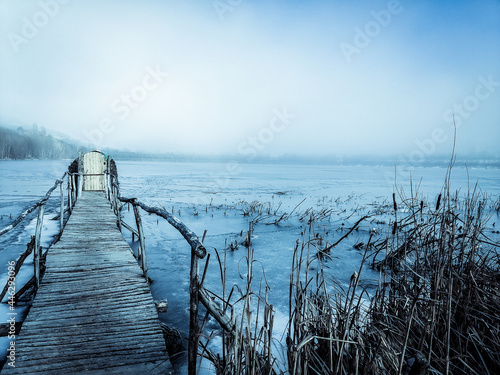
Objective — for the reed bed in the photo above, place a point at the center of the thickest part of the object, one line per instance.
(246, 349)
(324, 326)
(436, 309)
(441, 301)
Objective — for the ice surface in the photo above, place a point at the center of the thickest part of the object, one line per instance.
(205, 197)
(215, 196)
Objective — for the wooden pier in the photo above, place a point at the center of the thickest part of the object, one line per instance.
(93, 312)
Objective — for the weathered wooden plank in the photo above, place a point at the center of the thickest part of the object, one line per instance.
(89, 341)
(85, 330)
(84, 343)
(59, 278)
(81, 310)
(69, 281)
(78, 288)
(127, 366)
(40, 337)
(93, 312)
(82, 307)
(99, 297)
(126, 362)
(109, 349)
(75, 333)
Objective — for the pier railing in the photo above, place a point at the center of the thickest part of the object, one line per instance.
(74, 182)
(196, 290)
(34, 246)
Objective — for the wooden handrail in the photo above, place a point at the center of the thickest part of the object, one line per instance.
(191, 238)
(34, 245)
(42, 201)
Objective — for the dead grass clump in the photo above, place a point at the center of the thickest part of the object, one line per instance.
(442, 300)
(325, 334)
(246, 347)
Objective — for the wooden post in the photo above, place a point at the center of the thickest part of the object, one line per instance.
(111, 179)
(80, 175)
(193, 314)
(70, 193)
(115, 199)
(108, 178)
(116, 209)
(111, 193)
(142, 243)
(74, 189)
(80, 184)
(36, 250)
(108, 185)
(61, 217)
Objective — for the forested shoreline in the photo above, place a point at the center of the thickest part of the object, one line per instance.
(33, 144)
(37, 143)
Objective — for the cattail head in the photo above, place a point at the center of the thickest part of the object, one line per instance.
(438, 202)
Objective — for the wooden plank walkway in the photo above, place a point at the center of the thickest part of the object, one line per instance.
(93, 312)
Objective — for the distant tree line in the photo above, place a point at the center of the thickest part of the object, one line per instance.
(33, 144)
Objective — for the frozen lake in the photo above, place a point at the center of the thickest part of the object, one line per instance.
(216, 197)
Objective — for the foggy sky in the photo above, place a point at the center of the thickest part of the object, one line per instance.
(253, 78)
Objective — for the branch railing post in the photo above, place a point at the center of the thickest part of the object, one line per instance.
(70, 193)
(194, 329)
(61, 217)
(37, 248)
(71, 185)
(113, 195)
(142, 242)
(116, 191)
(110, 193)
(74, 188)
(80, 184)
(107, 178)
